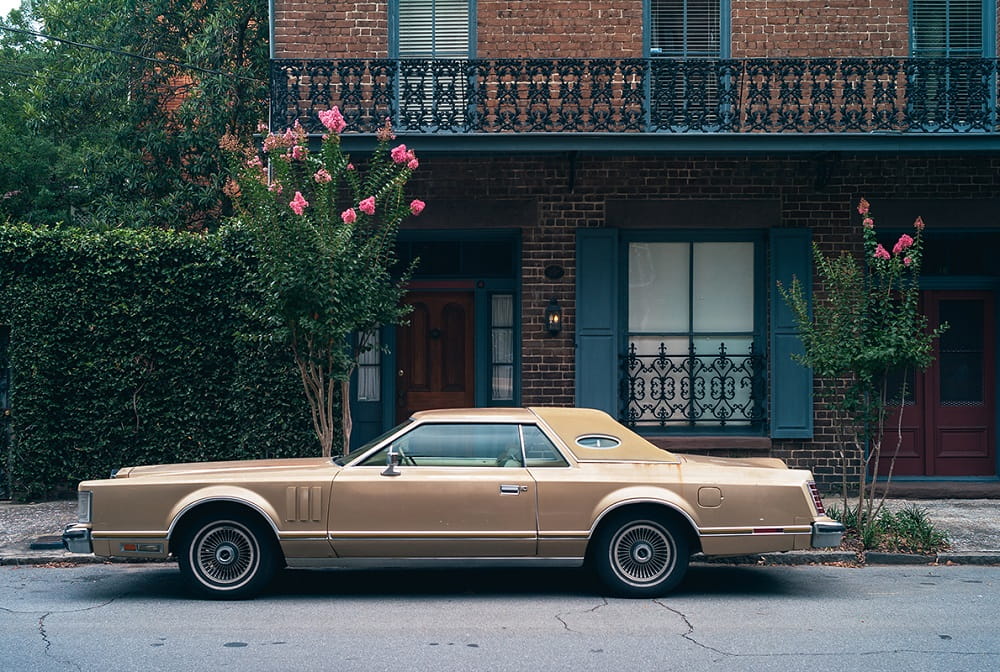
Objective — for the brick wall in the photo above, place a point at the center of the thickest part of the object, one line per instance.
(331, 29)
(821, 198)
(605, 29)
(801, 28)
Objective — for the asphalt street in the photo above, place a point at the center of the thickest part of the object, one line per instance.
(138, 617)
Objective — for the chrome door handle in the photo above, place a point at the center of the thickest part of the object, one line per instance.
(512, 489)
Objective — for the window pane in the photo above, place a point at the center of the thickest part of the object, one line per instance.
(433, 28)
(943, 28)
(539, 451)
(723, 287)
(658, 287)
(369, 368)
(685, 28)
(961, 353)
(460, 445)
(502, 350)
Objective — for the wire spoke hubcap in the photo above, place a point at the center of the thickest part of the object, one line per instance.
(642, 553)
(226, 554)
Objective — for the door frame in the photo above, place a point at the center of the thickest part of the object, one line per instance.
(971, 283)
(380, 416)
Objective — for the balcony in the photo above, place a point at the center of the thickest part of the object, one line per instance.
(651, 104)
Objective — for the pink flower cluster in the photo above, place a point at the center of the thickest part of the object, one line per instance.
(322, 176)
(333, 119)
(400, 154)
(417, 206)
(299, 203)
(367, 206)
(349, 216)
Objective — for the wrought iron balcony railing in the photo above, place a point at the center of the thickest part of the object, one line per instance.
(687, 389)
(644, 96)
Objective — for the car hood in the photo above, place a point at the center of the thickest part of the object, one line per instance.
(755, 462)
(233, 467)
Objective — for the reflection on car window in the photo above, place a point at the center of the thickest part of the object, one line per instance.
(539, 451)
(354, 454)
(456, 445)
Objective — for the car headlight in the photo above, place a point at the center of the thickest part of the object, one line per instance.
(84, 506)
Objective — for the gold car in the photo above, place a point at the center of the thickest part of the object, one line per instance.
(538, 486)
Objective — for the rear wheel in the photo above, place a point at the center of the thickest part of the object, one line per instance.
(228, 556)
(639, 555)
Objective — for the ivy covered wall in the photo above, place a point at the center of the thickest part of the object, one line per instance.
(130, 347)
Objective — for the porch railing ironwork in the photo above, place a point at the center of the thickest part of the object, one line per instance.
(652, 95)
(672, 389)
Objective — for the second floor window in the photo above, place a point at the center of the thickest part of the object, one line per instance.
(685, 28)
(433, 29)
(946, 28)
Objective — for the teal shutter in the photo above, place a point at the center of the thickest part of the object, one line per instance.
(791, 382)
(597, 319)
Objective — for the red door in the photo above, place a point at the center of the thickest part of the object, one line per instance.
(435, 353)
(948, 422)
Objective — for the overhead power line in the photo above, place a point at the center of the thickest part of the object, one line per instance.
(127, 54)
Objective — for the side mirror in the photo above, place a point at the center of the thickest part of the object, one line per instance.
(391, 462)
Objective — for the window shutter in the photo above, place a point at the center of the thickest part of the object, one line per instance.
(685, 28)
(597, 319)
(791, 382)
(433, 28)
(946, 28)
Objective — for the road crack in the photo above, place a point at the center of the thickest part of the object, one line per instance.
(559, 616)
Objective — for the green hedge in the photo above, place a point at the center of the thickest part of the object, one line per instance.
(126, 349)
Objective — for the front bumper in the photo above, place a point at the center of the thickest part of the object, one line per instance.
(76, 538)
(827, 534)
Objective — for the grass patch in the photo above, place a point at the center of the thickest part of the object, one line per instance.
(908, 530)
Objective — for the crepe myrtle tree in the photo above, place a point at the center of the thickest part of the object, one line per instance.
(325, 237)
(864, 334)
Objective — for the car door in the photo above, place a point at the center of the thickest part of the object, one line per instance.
(460, 490)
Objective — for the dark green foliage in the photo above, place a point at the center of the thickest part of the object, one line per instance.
(125, 350)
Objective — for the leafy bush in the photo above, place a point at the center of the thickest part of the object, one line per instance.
(125, 349)
(908, 530)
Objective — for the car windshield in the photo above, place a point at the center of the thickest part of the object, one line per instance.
(357, 452)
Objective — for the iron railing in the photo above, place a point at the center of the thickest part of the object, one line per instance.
(672, 389)
(654, 95)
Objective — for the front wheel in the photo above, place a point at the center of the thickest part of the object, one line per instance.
(640, 556)
(230, 556)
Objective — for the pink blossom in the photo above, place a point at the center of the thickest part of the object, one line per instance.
(412, 164)
(333, 119)
(289, 136)
(298, 204)
(298, 153)
(349, 216)
(255, 162)
(322, 176)
(399, 154)
(274, 188)
(367, 206)
(417, 206)
(863, 207)
(261, 127)
(350, 166)
(904, 243)
(919, 224)
(868, 223)
(881, 252)
(907, 261)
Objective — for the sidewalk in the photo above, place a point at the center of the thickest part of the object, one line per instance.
(973, 526)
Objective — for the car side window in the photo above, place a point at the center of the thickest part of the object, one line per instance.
(456, 445)
(539, 451)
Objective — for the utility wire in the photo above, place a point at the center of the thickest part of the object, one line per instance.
(127, 54)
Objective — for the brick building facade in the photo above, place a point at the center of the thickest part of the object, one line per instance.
(654, 167)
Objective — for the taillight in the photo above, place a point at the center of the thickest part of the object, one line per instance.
(817, 500)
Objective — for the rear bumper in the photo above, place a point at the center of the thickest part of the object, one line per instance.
(827, 534)
(76, 539)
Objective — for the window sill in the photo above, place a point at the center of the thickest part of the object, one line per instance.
(681, 444)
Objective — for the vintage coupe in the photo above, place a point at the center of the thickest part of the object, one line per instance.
(548, 486)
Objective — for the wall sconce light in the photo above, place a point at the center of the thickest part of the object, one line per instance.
(553, 317)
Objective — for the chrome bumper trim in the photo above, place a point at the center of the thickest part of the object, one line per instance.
(76, 539)
(827, 535)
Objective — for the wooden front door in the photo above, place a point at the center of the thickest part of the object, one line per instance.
(948, 422)
(436, 354)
